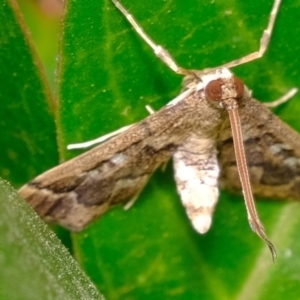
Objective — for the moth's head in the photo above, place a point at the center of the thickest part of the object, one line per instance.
(218, 85)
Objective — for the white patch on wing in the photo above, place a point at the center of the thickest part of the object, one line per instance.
(118, 158)
(277, 148)
(292, 162)
(93, 173)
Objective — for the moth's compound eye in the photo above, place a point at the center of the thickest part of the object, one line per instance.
(213, 90)
(239, 87)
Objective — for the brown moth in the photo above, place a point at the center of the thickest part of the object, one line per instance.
(209, 130)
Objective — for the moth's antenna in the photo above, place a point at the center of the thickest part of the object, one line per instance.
(241, 163)
(264, 41)
(159, 51)
(165, 56)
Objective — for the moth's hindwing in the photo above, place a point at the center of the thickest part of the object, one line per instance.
(272, 151)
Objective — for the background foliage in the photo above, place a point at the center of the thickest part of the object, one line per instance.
(104, 76)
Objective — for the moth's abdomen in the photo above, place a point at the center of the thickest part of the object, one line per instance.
(196, 173)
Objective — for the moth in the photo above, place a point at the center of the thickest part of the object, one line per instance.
(217, 135)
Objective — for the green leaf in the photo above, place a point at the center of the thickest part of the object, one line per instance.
(34, 264)
(27, 127)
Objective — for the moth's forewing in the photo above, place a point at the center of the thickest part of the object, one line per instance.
(78, 191)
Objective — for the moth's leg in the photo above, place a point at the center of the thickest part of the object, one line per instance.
(196, 174)
(131, 202)
(264, 41)
(117, 132)
(286, 97)
(99, 140)
(139, 183)
(105, 137)
(159, 51)
(150, 110)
